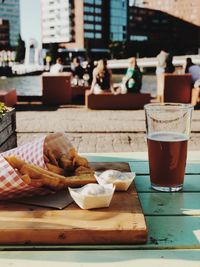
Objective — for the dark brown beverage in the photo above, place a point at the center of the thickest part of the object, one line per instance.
(167, 158)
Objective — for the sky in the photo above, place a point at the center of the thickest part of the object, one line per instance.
(30, 20)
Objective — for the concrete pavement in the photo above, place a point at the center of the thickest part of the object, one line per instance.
(94, 131)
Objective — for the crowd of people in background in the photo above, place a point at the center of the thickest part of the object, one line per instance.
(98, 77)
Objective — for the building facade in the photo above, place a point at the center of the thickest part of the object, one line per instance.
(188, 10)
(4, 34)
(10, 10)
(118, 20)
(76, 25)
(56, 21)
(143, 26)
(150, 30)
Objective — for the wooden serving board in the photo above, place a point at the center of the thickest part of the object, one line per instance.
(122, 223)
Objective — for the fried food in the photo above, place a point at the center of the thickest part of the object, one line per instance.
(55, 169)
(51, 156)
(80, 161)
(81, 169)
(15, 162)
(69, 164)
(72, 153)
(66, 163)
(26, 178)
(39, 177)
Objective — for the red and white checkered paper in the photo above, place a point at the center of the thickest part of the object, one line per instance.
(11, 185)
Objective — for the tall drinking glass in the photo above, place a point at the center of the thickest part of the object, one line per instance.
(168, 129)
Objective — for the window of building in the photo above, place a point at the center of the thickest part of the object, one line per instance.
(98, 27)
(98, 35)
(98, 10)
(88, 26)
(89, 35)
(88, 18)
(98, 2)
(139, 38)
(89, 9)
(98, 19)
(89, 1)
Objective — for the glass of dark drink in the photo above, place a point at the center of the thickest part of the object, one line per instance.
(168, 130)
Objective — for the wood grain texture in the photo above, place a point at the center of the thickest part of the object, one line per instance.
(122, 223)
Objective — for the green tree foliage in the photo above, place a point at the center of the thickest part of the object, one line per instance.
(20, 50)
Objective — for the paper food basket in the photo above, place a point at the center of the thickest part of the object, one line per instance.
(11, 185)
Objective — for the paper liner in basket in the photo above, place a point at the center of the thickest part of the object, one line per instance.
(11, 185)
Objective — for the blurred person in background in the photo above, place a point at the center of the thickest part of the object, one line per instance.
(194, 70)
(132, 81)
(77, 69)
(89, 71)
(58, 67)
(169, 64)
(160, 70)
(102, 79)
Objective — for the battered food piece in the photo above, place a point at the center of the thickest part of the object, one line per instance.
(39, 177)
(80, 161)
(55, 169)
(66, 163)
(81, 169)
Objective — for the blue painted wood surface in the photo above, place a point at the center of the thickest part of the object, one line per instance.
(173, 219)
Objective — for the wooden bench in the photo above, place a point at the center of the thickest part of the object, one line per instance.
(56, 88)
(121, 101)
(8, 97)
(177, 88)
(78, 90)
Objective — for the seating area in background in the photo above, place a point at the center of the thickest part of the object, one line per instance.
(56, 88)
(121, 101)
(177, 88)
(8, 97)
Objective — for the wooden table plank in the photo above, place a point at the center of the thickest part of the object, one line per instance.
(123, 222)
(117, 258)
(170, 203)
(173, 231)
(191, 183)
(165, 232)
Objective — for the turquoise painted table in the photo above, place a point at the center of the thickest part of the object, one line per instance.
(173, 221)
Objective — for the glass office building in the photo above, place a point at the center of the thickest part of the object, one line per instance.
(96, 24)
(10, 10)
(118, 20)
